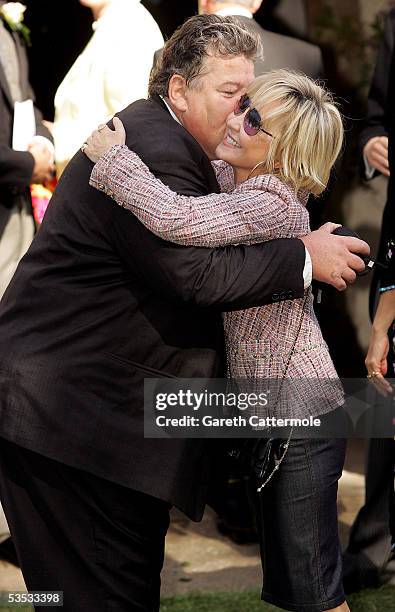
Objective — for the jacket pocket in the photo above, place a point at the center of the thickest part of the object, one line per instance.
(151, 372)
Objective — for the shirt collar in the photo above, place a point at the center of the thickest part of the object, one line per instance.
(172, 113)
(235, 10)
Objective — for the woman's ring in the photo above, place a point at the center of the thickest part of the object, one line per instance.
(373, 374)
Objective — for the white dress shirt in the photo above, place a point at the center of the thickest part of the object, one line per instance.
(111, 72)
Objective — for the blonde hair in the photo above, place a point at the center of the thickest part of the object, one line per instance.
(307, 124)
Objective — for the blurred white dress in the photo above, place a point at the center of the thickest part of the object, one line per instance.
(111, 72)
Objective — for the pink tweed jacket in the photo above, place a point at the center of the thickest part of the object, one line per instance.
(266, 342)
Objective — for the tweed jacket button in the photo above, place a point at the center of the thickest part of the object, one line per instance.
(275, 297)
(290, 295)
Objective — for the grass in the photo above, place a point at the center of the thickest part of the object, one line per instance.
(370, 600)
(19, 608)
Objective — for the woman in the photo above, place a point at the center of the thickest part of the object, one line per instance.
(379, 347)
(380, 361)
(270, 166)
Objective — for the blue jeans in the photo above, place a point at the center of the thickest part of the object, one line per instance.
(297, 524)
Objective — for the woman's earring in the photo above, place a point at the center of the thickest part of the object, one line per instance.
(255, 167)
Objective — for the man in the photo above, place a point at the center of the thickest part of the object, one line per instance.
(368, 559)
(17, 170)
(111, 72)
(97, 305)
(279, 51)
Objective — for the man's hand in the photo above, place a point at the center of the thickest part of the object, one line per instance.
(43, 162)
(376, 154)
(334, 258)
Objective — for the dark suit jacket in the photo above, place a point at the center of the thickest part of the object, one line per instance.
(380, 122)
(99, 303)
(376, 121)
(16, 167)
(281, 51)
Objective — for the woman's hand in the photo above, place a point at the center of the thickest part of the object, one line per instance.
(102, 139)
(376, 361)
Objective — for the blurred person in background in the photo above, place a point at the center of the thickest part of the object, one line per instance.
(279, 51)
(369, 559)
(18, 168)
(20, 128)
(111, 72)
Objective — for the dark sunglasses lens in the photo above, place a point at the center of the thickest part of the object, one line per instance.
(242, 105)
(252, 122)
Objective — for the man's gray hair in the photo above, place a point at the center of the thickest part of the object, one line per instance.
(199, 37)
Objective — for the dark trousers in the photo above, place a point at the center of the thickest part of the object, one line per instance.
(367, 558)
(100, 543)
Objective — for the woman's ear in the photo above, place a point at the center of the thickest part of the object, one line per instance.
(176, 93)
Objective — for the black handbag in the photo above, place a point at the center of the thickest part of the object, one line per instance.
(263, 456)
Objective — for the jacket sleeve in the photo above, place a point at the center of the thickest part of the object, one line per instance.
(376, 123)
(228, 278)
(16, 168)
(260, 209)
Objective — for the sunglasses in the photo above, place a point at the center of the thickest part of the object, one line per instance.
(252, 123)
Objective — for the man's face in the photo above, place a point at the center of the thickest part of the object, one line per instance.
(209, 104)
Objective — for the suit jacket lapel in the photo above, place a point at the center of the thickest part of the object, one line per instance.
(23, 65)
(212, 183)
(23, 71)
(5, 87)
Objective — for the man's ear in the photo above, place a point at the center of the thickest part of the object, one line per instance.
(176, 93)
